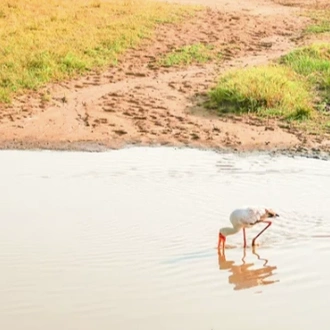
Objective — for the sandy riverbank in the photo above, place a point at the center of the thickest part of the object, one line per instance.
(141, 103)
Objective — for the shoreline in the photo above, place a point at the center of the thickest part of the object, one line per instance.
(98, 147)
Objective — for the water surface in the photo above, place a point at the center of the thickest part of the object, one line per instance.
(127, 240)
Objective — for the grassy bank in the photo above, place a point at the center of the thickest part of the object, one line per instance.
(189, 54)
(312, 62)
(320, 20)
(296, 88)
(266, 91)
(42, 41)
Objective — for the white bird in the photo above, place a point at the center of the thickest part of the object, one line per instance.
(246, 218)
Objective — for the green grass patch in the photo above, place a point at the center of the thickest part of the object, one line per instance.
(321, 21)
(312, 62)
(273, 90)
(296, 89)
(43, 41)
(321, 27)
(195, 53)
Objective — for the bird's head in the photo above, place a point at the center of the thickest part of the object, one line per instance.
(271, 214)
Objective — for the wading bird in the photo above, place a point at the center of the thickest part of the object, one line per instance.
(246, 218)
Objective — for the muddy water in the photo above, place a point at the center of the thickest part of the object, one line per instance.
(127, 240)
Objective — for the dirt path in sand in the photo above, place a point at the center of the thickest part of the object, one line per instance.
(140, 103)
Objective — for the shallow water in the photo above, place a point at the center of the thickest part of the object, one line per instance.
(127, 240)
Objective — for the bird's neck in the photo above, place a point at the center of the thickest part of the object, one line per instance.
(229, 230)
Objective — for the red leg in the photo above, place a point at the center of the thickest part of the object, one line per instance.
(244, 237)
(254, 240)
(221, 243)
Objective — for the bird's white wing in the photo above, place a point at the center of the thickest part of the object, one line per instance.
(249, 215)
(255, 214)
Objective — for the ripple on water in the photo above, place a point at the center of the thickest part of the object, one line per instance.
(127, 239)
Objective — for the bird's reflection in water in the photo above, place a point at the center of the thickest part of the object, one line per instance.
(242, 276)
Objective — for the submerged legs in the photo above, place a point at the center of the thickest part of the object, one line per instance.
(254, 240)
(221, 242)
(244, 237)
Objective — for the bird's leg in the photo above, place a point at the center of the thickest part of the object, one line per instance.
(221, 243)
(254, 240)
(244, 256)
(244, 238)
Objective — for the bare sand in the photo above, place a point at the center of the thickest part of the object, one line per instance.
(140, 103)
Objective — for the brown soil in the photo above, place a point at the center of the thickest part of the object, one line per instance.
(141, 103)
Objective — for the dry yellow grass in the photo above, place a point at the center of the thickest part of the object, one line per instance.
(42, 41)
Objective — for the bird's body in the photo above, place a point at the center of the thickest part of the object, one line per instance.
(246, 217)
